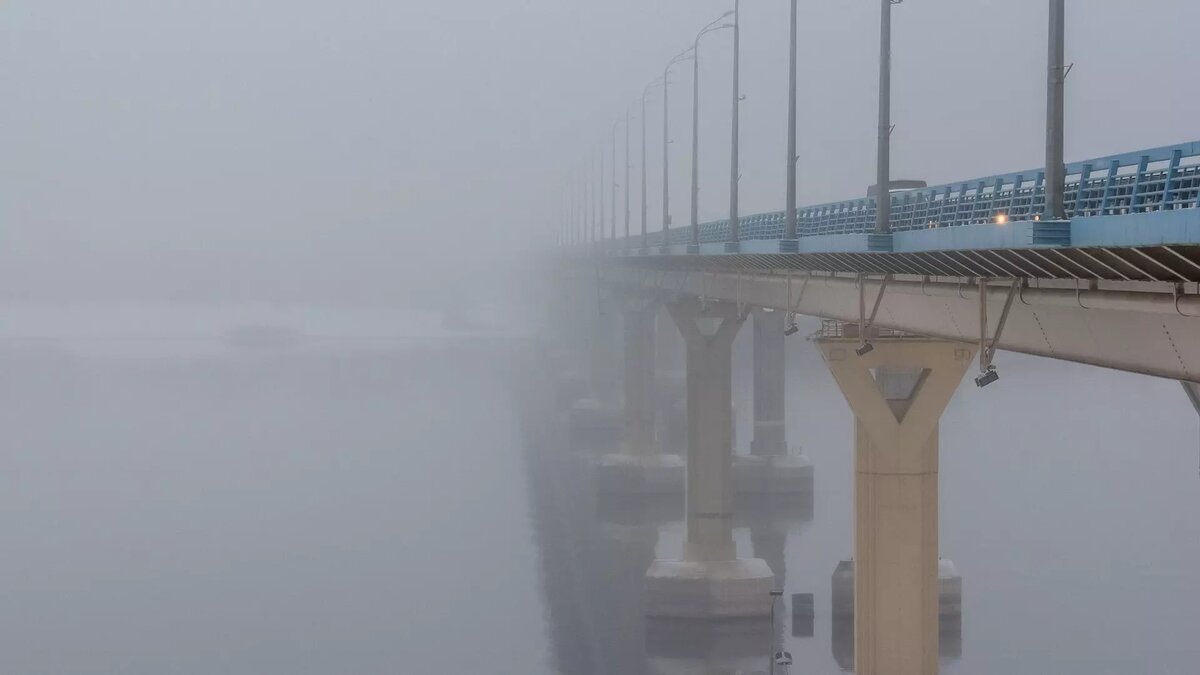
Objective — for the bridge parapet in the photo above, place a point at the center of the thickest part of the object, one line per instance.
(1141, 182)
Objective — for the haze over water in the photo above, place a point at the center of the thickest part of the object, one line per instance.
(311, 512)
(255, 419)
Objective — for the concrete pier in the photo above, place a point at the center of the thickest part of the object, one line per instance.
(640, 467)
(897, 392)
(770, 366)
(709, 582)
(770, 468)
(949, 591)
(949, 613)
(596, 419)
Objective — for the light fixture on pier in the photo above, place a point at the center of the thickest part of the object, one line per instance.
(864, 349)
(1001, 218)
(988, 377)
(791, 328)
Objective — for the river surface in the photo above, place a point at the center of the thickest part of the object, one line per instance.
(360, 504)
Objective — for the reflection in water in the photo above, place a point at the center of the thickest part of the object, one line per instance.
(804, 550)
(949, 640)
(770, 518)
(680, 647)
(597, 544)
(842, 613)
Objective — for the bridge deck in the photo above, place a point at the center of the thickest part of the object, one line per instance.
(1133, 217)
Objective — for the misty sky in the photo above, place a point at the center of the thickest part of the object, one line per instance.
(357, 150)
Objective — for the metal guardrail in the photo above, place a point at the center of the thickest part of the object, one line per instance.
(1159, 179)
(835, 329)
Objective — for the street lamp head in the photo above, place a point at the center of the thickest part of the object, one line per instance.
(711, 29)
(681, 56)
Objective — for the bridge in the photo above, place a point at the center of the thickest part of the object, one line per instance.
(1095, 262)
(1113, 286)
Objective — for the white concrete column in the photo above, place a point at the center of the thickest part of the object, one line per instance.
(639, 468)
(770, 364)
(897, 393)
(709, 488)
(770, 469)
(709, 582)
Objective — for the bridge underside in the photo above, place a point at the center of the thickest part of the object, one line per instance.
(1168, 263)
(1146, 327)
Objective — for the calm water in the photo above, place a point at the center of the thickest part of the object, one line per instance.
(412, 508)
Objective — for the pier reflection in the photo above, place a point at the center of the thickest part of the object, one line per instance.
(597, 543)
(677, 647)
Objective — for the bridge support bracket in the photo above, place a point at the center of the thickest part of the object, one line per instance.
(988, 347)
(864, 323)
(791, 328)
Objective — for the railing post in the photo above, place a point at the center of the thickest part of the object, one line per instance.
(1113, 168)
(1169, 196)
(1085, 175)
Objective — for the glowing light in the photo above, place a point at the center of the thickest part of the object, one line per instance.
(1001, 218)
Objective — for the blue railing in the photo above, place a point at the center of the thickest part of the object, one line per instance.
(1160, 179)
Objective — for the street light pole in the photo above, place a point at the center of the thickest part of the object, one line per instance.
(1055, 113)
(883, 180)
(791, 149)
(666, 204)
(627, 178)
(586, 188)
(734, 223)
(645, 237)
(613, 211)
(592, 197)
(600, 175)
(696, 126)
(696, 143)
(666, 200)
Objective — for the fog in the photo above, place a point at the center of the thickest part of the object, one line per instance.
(274, 380)
(363, 151)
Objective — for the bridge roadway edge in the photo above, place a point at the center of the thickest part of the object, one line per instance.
(1140, 327)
